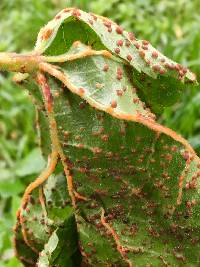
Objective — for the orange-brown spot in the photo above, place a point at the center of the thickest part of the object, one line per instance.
(47, 34)
(137, 45)
(142, 54)
(106, 67)
(81, 91)
(107, 23)
(105, 137)
(131, 36)
(76, 13)
(120, 42)
(117, 50)
(145, 42)
(162, 71)
(129, 57)
(154, 54)
(93, 16)
(156, 68)
(58, 17)
(119, 30)
(127, 43)
(113, 104)
(119, 92)
(96, 150)
(136, 100)
(90, 21)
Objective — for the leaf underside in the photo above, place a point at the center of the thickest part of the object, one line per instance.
(138, 180)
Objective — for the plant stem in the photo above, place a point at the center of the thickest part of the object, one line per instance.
(19, 63)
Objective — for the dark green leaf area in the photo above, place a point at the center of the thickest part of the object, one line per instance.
(132, 173)
(23, 251)
(99, 249)
(41, 120)
(60, 252)
(69, 32)
(158, 93)
(48, 225)
(43, 133)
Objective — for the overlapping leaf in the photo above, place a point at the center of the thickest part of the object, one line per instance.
(46, 230)
(148, 64)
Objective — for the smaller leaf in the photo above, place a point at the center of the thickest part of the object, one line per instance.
(31, 164)
(10, 188)
(49, 248)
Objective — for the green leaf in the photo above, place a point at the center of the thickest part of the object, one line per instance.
(47, 224)
(10, 187)
(132, 189)
(132, 172)
(48, 250)
(147, 63)
(23, 251)
(32, 164)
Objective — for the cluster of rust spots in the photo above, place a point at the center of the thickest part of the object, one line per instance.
(131, 36)
(46, 92)
(192, 184)
(76, 13)
(119, 73)
(47, 34)
(157, 64)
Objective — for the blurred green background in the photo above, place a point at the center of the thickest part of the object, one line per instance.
(172, 26)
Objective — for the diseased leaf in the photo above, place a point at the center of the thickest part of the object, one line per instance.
(55, 251)
(23, 251)
(47, 226)
(133, 173)
(131, 194)
(71, 25)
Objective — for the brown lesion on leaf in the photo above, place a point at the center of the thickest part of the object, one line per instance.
(123, 250)
(18, 242)
(46, 34)
(188, 159)
(41, 179)
(26, 197)
(147, 121)
(56, 146)
(25, 235)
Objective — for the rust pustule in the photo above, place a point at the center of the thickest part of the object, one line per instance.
(46, 34)
(113, 103)
(119, 30)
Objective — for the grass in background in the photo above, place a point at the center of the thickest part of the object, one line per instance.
(172, 26)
